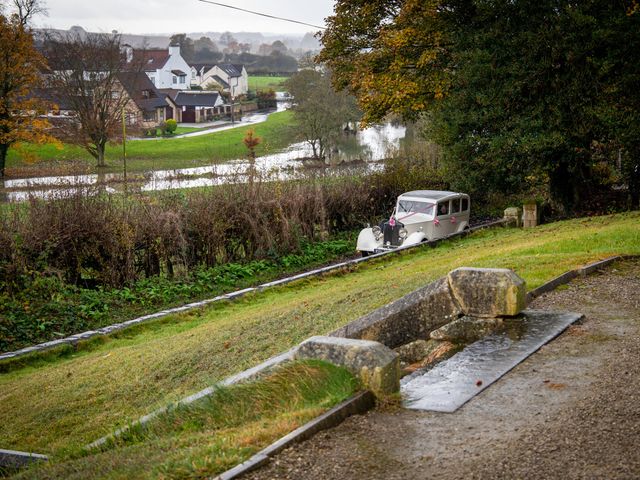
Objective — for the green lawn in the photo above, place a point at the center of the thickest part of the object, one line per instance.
(266, 83)
(163, 153)
(76, 399)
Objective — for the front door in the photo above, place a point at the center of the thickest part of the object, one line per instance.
(189, 116)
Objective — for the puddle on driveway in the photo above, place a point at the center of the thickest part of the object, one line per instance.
(452, 383)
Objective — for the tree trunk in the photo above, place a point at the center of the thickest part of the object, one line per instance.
(4, 148)
(4, 197)
(100, 148)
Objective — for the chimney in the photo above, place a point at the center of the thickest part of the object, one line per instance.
(174, 50)
(128, 52)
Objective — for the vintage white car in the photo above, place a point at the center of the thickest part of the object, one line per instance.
(419, 216)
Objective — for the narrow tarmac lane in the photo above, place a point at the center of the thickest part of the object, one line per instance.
(570, 411)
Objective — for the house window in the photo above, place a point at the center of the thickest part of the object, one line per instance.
(182, 79)
(149, 116)
(175, 79)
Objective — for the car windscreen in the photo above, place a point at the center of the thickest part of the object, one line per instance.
(414, 206)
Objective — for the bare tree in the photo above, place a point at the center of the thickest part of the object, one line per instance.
(85, 72)
(319, 113)
(26, 9)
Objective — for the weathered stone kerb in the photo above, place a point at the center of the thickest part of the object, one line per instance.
(411, 317)
(377, 366)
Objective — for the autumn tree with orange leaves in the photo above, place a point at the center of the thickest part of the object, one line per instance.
(20, 65)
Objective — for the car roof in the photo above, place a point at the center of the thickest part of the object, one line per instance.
(429, 194)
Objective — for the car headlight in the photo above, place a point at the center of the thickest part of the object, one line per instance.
(376, 232)
(403, 233)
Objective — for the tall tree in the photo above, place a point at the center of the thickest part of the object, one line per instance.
(391, 54)
(516, 91)
(319, 112)
(20, 65)
(84, 72)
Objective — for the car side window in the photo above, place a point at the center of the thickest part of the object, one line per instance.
(455, 205)
(465, 204)
(443, 208)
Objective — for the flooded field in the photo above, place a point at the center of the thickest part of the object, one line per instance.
(362, 150)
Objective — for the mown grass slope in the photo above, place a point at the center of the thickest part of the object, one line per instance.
(76, 399)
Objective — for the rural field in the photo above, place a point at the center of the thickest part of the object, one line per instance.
(77, 397)
(258, 83)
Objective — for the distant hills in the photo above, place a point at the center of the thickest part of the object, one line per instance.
(296, 43)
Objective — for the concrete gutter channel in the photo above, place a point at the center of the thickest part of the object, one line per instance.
(374, 326)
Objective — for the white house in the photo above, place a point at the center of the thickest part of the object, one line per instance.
(166, 68)
(231, 78)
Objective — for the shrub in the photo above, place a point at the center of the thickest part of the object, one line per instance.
(171, 126)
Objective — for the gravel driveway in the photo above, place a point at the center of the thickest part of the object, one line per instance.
(569, 411)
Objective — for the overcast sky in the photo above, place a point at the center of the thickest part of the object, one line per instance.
(177, 16)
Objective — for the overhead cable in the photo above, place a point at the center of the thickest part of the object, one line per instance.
(263, 14)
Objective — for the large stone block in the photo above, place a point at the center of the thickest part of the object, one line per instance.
(488, 292)
(407, 319)
(513, 216)
(377, 366)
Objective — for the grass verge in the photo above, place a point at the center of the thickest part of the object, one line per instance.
(266, 83)
(214, 434)
(87, 394)
(164, 153)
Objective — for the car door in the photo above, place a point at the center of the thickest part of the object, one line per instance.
(455, 210)
(442, 222)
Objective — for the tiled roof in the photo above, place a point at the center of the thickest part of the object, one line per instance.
(220, 81)
(197, 99)
(152, 59)
(200, 66)
(230, 69)
(142, 91)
